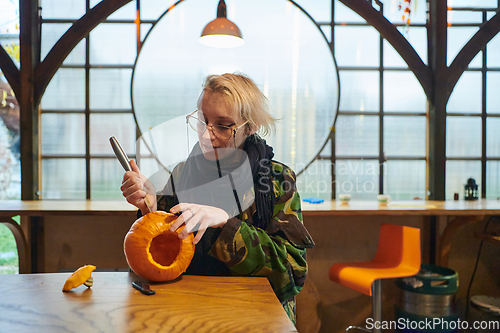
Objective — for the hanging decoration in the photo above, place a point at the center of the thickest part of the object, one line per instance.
(405, 7)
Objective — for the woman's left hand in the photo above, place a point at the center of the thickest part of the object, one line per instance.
(197, 218)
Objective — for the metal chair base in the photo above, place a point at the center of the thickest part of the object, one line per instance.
(376, 308)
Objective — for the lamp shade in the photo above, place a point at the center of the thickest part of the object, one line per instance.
(221, 33)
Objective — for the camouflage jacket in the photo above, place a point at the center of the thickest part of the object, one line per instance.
(278, 252)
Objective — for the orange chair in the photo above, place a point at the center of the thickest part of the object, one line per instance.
(398, 255)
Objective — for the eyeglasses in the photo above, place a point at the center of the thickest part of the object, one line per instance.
(220, 131)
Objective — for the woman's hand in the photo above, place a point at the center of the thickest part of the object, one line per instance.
(135, 187)
(197, 217)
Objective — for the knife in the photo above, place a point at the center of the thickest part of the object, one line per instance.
(124, 161)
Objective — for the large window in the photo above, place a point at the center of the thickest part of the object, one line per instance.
(472, 125)
(87, 101)
(89, 98)
(380, 133)
(378, 144)
(10, 166)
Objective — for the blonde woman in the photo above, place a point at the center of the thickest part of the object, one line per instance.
(242, 206)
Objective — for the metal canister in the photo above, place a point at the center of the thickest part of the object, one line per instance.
(427, 301)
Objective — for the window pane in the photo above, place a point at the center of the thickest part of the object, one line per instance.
(360, 91)
(477, 61)
(356, 46)
(66, 91)
(457, 38)
(319, 10)
(405, 180)
(392, 57)
(103, 126)
(457, 173)
(63, 178)
(463, 136)
(327, 149)
(126, 12)
(473, 3)
(358, 178)
(404, 136)
(63, 133)
(466, 96)
(152, 9)
(149, 167)
(492, 137)
(9, 20)
(357, 135)
(403, 93)
(316, 180)
(492, 95)
(10, 164)
(417, 37)
(67, 9)
(144, 151)
(493, 180)
(107, 175)
(113, 43)
(345, 14)
(455, 17)
(493, 52)
(110, 89)
(51, 33)
(10, 127)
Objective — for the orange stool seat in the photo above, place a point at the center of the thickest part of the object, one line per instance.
(398, 255)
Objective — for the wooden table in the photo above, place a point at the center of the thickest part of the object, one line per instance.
(35, 303)
(452, 215)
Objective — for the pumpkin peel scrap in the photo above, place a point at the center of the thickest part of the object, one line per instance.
(81, 276)
(153, 251)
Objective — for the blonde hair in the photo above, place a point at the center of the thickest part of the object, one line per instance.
(244, 98)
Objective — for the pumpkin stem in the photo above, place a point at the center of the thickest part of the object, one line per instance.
(90, 282)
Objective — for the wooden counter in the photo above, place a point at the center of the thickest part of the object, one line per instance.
(415, 207)
(455, 214)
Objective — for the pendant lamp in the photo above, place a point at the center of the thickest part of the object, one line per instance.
(221, 33)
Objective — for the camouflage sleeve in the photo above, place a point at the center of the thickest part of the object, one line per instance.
(279, 252)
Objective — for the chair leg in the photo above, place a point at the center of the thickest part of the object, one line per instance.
(377, 305)
(376, 309)
(22, 245)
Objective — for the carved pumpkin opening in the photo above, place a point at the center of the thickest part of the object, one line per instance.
(165, 248)
(153, 251)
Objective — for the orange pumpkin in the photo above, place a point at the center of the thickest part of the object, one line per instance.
(153, 251)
